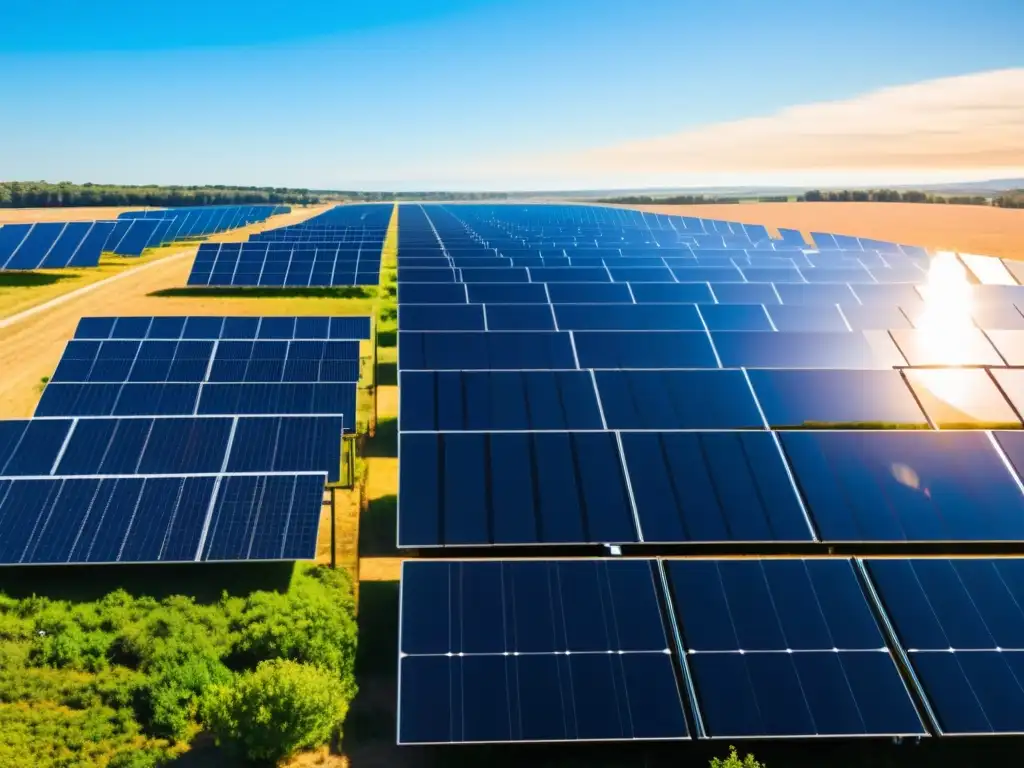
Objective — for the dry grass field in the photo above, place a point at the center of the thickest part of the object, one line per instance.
(967, 228)
(28, 215)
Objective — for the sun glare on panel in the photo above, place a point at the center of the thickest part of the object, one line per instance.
(945, 325)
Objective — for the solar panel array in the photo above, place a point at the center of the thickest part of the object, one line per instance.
(181, 439)
(594, 377)
(151, 228)
(340, 247)
(53, 245)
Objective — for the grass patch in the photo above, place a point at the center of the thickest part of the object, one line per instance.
(384, 444)
(341, 292)
(33, 279)
(387, 338)
(387, 374)
(377, 528)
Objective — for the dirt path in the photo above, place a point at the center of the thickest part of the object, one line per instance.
(31, 344)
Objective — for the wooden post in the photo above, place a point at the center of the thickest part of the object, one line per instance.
(334, 542)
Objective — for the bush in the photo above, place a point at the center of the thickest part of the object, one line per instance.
(733, 761)
(277, 710)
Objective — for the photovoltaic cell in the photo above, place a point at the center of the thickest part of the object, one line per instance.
(786, 649)
(962, 625)
(906, 486)
(498, 400)
(485, 351)
(712, 487)
(485, 658)
(664, 400)
(834, 398)
(512, 488)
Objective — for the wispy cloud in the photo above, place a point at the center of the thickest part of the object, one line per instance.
(970, 126)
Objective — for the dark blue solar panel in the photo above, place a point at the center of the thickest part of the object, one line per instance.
(11, 238)
(508, 293)
(37, 244)
(146, 446)
(442, 317)
(482, 351)
(589, 293)
(962, 624)
(136, 238)
(482, 663)
(674, 293)
(816, 294)
(280, 399)
(416, 293)
(906, 486)
(754, 349)
(31, 447)
(273, 517)
(512, 488)
(638, 349)
(786, 648)
(295, 444)
(712, 487)
(745, 293)
(498, 400)
(711, 399)
(67, 245)
(795, 398)
(736, 317)
(97, 521)
(628, 317)
(520, 317)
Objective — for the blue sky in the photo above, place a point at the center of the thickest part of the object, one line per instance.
(418, 94)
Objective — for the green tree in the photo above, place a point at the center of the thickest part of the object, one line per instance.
(733, 761)
(277, 710)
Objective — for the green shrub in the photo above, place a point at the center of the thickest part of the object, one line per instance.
(733, 761)
(277, 710)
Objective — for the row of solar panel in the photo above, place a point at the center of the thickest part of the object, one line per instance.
(208, 361)
(171, 446)
(159, 519)
(690, 317)
(161, 399)
(580, 221)
(919, 398)
(886, 486)
(683, 274)
(214, 327)
(904, 295)
(53, 245)
(183, 223)
(601, 259)
(229, 270)
(354, 250)
(507, 651)
(549, 350)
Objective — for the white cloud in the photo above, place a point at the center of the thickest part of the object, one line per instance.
(967, 127)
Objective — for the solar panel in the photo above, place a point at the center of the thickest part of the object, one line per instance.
(786, 649)
(961, 623)
(461, 489)
(754, 349)
(906, 486)
(673, 399)
(712, 487)
(628, 317)
(213, 328)
(50, 521)
(534, 651)
(836, 398)
(650, 349)
(485, 351)
(291, 268)
(958, 398)
(498, 400)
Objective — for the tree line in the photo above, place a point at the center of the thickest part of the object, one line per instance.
(40, 194)
(1013, 199)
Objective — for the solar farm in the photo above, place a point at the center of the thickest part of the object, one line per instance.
(660, 479)
(668, 478)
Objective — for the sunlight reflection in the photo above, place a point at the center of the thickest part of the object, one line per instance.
(946, 324)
